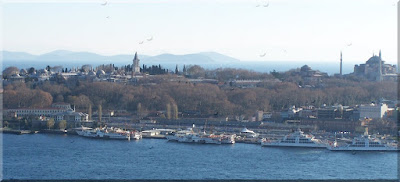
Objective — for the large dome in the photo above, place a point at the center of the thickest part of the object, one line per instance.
(305, 68)
(374, 60)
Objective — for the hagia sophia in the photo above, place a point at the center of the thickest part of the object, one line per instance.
(375, 69)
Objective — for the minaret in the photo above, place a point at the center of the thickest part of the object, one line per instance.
(341, 64)
(135, 66)
(380, 55)
(380, 66)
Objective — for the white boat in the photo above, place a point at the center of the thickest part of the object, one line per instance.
(363, 143)
(296, 139)
(136, 135)
(175, 136)
(104, 134)
(228, 139)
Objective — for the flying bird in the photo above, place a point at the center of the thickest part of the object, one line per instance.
(141, 42)
(108, 17)
(266, 5)
(104, 3)
(262, 55)
(149, 39)
(349, 44)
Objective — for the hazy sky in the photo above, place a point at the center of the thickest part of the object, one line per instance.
(312, 30)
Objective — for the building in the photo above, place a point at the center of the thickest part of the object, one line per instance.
(58, 111)
(135, 65)
(71, 116)
(374, 111)
(375, 69)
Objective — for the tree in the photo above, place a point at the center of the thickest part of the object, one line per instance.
(168, 111)
(59, 98)
(50, 123)
(62, 124)
(100, 112)
(175, 111)
(139, 110)
(10, 71)
(196, 71)
(90, 112)
(86, 68)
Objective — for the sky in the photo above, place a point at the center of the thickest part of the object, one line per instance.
(249, 30)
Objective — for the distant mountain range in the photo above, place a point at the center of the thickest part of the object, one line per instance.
(62, 57)
(208, 60)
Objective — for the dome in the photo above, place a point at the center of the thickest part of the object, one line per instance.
(100, 72)
(305, 68)
(92, 73)
(23, 71)
(374, 60)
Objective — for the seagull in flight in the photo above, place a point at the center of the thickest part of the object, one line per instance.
(149, 39)
(108, 17)
(262, 55)
(104, 3)
(141, 42)
(266, 5)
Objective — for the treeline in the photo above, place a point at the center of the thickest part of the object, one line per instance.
(208, 99)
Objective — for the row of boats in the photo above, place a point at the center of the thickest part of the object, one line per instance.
(362, 143)
(296, 139)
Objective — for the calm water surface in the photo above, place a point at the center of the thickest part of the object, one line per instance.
(44, 156)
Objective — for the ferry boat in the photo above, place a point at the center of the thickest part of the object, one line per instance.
(363, 143)
(104, 134)
(188, 136)
(296, 139)
(136, 135)
(175, 136)
(228, 139)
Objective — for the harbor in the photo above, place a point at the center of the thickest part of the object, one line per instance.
(294, 138)
(160, 159)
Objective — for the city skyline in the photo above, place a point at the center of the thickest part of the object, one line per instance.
(246, 30)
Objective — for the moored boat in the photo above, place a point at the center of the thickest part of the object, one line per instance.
(363, 143)
(296, 139)
(104, 134)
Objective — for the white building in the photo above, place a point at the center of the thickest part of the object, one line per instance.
(374, 111)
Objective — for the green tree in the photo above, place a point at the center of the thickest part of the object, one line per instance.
(62, 124)
(50, 123)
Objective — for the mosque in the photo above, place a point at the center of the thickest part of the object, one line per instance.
(375, 69)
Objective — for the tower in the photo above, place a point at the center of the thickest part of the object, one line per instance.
(380, 55)
(380, 66)
(176, 69)
(135, 65)
(184, 70)
(341, 64)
